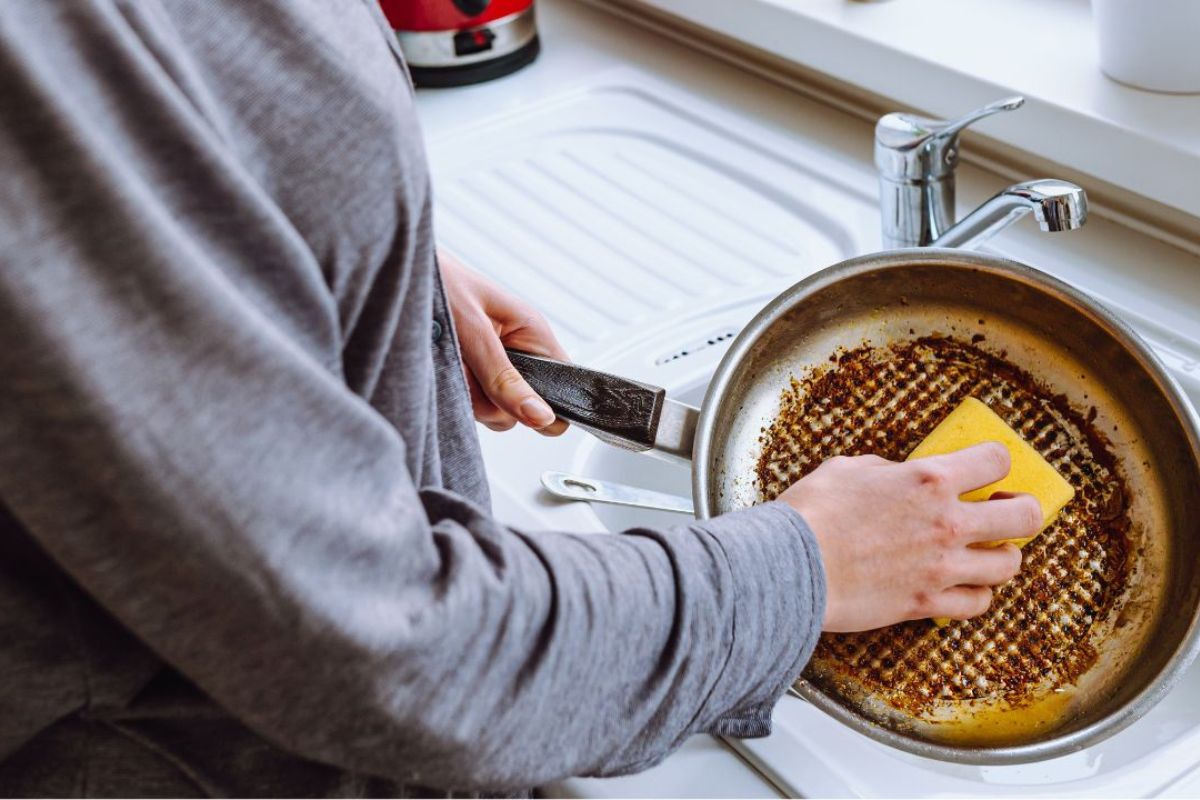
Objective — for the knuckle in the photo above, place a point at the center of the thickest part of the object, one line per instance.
(505, 380)
(923, 604)
(492, 418)
(997, 457)
(982, 602)
(930, 477)
(534, 320)
(1014, 560)
(948, 529)
(528, 320)
(1031, 515)
(487, 413)
(958, 527)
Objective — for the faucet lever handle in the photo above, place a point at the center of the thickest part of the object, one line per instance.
(916, 148)
(951, 128)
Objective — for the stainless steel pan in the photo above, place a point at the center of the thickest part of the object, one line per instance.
(1060, 336)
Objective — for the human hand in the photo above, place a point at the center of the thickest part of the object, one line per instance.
(488, 319)
(896, 540)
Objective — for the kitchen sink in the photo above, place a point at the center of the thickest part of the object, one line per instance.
(650, 225)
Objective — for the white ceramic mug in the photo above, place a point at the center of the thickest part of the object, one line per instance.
(1150, 44)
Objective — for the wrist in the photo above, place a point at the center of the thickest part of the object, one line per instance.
(796, 502)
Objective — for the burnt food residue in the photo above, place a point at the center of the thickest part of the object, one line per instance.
(1037, 635)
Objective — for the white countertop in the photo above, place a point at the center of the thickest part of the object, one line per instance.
(945, 57)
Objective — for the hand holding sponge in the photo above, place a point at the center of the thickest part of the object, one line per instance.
(971, 423)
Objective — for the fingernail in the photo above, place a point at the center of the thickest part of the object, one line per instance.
(536, 412)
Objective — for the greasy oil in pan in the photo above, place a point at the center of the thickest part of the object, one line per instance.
(1039, 636)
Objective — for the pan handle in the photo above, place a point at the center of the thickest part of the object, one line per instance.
(622, 412)
(618, 410)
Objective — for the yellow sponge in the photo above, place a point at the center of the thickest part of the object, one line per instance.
(972, 423)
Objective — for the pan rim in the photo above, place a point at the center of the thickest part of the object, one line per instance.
(1189, 645)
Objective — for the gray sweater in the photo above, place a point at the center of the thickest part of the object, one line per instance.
(245, 545)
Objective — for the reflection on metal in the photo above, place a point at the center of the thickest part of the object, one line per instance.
(917, 158)
(573, 487)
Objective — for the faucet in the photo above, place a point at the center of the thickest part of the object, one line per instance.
(917, 157)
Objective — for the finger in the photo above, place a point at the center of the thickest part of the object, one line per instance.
(523, 327)
(537, 338)
(971, 467)
(501, 382)
(534, 335)
(556, 428)
(1017, 516)
(987, 566)
(962, 602)
(485, 410)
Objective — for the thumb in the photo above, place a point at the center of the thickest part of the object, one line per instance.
(505, 387)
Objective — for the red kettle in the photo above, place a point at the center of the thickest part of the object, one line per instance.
(456, 42)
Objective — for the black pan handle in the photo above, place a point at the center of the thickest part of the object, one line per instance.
(618, 410)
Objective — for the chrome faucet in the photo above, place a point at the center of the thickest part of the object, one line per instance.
(917, 157)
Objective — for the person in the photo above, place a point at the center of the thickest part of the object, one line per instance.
(245, 545)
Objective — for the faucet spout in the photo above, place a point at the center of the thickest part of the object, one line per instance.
(1056, 205)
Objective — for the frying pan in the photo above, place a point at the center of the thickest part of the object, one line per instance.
(1065, 340)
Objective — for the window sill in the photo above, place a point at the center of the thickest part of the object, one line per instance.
(948, 56)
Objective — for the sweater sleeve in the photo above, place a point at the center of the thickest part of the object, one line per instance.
(175, 447)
